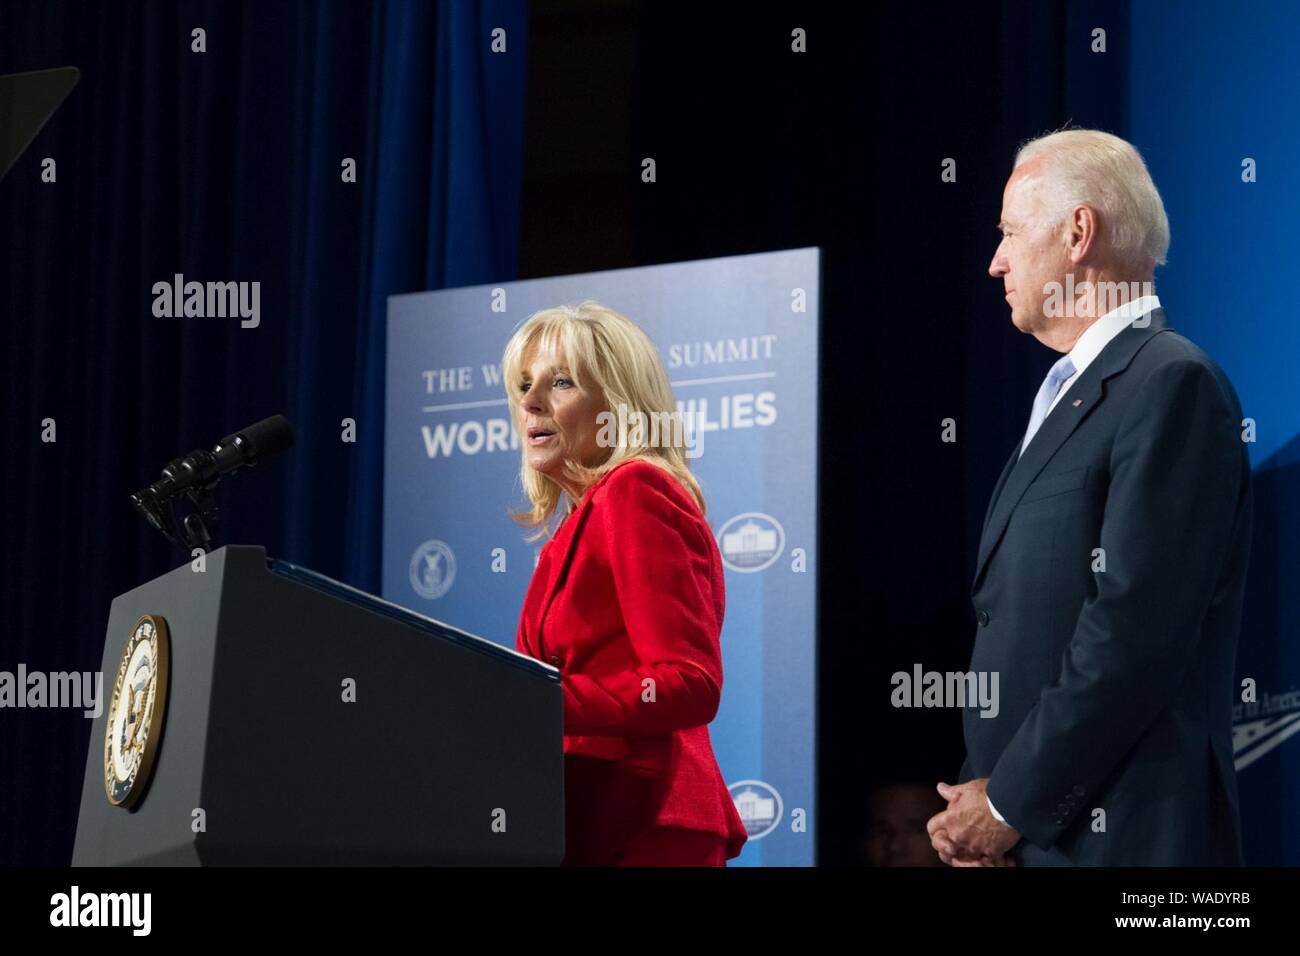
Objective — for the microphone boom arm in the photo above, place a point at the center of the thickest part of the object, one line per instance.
(158, 504)
(196, 477)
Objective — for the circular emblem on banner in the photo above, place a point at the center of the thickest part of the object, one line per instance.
(759, 806)
(433, 569)
(751, 542)
(136, 711)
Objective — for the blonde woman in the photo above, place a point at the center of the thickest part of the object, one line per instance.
(627, 598)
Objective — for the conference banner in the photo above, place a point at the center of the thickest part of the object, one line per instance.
(739, 338)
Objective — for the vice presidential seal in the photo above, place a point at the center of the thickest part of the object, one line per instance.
(137, 710)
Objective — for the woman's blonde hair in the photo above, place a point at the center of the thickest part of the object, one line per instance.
(607, 354)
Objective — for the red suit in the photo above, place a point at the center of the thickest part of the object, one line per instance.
(627, 601)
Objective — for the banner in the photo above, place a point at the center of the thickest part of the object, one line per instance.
(739, 338)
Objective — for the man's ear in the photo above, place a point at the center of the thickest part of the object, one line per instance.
(1081, 233)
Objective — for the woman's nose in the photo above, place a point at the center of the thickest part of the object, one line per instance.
(531, 401)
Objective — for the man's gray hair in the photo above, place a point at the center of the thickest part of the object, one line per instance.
(1091, 168)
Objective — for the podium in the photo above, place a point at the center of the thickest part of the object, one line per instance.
(300, 721)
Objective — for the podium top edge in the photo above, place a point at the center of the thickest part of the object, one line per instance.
(413, 619)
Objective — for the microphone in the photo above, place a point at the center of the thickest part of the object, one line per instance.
(248, 446)
(196, 477)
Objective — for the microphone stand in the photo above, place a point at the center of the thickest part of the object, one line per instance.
(192, 531)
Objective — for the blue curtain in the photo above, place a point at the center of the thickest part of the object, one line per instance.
(223, 165)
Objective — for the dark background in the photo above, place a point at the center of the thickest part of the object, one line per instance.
(227, 166)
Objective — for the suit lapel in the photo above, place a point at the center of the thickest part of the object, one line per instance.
(1087, 391)
(557, 563)
(997, 488)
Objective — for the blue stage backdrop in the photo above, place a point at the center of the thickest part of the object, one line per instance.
(1226, 168)
(739, 337)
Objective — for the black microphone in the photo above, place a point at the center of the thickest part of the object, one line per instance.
(196, 477)
(247, 446)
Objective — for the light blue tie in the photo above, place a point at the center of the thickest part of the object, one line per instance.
(1056, 376)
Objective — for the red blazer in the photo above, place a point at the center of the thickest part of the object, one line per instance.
(630, 588)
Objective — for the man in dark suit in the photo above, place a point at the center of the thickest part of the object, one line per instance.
(1108, 585)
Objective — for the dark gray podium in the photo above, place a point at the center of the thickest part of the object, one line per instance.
(451, 752)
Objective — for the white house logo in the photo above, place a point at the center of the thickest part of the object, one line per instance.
(751, 542)
(1261, 726)
(433, 569)
(759, 806)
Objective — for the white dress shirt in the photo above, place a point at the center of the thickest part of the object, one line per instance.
(1095, 338)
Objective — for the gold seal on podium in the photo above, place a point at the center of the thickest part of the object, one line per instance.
(137, 710)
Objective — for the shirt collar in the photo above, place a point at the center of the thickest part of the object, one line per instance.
(1098, 335)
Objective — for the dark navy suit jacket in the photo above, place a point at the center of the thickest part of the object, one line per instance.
(1112, 744)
